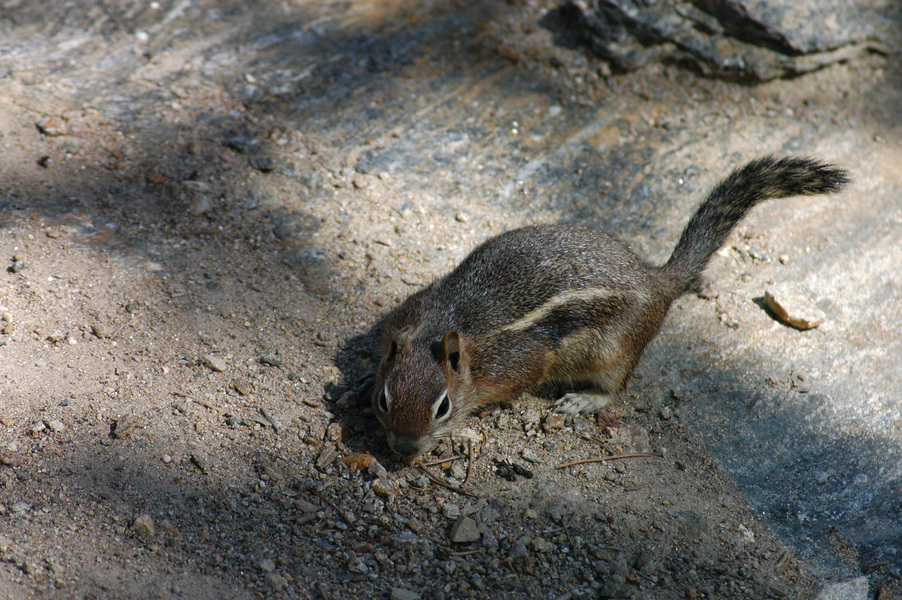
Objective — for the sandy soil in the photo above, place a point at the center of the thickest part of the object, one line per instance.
(198, 251)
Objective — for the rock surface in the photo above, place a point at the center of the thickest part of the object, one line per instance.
(262, 182)
(757, 39)
(853, 589)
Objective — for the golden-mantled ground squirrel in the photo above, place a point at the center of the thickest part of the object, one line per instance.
(553, 304)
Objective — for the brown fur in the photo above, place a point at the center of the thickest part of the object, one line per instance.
(552, 304)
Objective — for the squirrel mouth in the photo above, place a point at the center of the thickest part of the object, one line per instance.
(409, 448)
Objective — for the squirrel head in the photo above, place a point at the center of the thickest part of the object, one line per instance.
(417, 395)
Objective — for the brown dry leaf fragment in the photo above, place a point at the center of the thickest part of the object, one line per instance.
(124, 427)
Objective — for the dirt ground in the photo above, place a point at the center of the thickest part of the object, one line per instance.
(206, 208)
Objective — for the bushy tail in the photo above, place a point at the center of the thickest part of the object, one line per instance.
(762, 179)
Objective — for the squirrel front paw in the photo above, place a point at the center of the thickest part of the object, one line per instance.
(578, 403)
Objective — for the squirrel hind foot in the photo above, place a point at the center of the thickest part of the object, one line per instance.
(579, 403)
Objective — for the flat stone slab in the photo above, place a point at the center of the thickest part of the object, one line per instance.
(756, 39)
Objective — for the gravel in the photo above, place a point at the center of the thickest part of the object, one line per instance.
(147, 459)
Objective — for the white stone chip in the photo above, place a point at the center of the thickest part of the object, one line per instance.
(793, 306)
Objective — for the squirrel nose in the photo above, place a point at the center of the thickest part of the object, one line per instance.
(407, 447)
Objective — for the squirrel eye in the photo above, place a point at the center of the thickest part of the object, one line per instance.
(443, 406)
(383, 400)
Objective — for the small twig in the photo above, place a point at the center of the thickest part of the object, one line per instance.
(610, 457)
(206, 404)
(441, 461)
(30, 108)
(203, 403)
(875, 566)
(272, 420)
(444, 484)
(566, 529)
(363, 382)
(118, 331)
(465, 552)
(469, 462)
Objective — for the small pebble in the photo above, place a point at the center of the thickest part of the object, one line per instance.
(542, 545)
(464, 530)
(450, 511)
(198, 461)
(553, 422)
(793, 306)
(530, 417)
(489, 541)
(383, 488)
(421, 482)
(55, 425)
(530, 456)
(272, 360)
(267, 565)
(458, 472)
(215, 363)
(633, 438)
(335, 432)
(10, 458)
(276, 582)
(326, 457)
(143, 525)
(377, 470)
(403, 594)
(56, 337)
(416, 526)
(243, 387)
(101, 331)
(53, 126)
(356, 565)
(241, 143)
(322, 339)
(21, 507)
(518, 550)
(262, 162)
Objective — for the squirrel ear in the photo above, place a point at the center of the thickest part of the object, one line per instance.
(403, 337)
(452, 350)
(400, 342)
